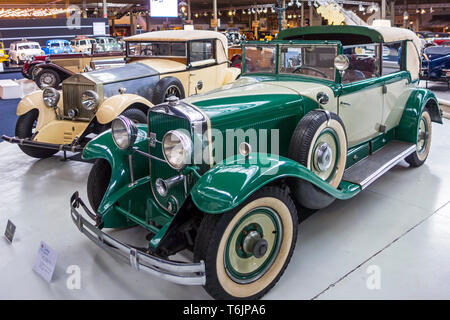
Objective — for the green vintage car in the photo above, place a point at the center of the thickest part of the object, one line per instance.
(318, 114)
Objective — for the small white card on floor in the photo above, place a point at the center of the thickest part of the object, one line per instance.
(45, 262)
(10, 231)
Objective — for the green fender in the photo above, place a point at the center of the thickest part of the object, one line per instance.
(103, 147)
(230, 182)
(409, 123)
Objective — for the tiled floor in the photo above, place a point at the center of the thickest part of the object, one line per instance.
(391, 241)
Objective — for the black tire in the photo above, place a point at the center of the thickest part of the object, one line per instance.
(214, 232)
(24, 129)
(136, 115)
(47, 78)
(302, 148)
(163, 88)
(418, 157)
(98, 181)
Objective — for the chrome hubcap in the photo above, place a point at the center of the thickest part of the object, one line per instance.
(323, 157)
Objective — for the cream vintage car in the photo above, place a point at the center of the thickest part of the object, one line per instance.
(159, 65)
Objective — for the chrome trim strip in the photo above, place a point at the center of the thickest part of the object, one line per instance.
(178, 272)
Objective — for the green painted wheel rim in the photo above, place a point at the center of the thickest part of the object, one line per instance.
(244, 267)
(422, 136)
(328, 136)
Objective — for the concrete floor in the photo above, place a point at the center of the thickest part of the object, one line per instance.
(399, 226)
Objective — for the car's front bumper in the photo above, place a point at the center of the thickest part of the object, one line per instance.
(177, 272)
(27, 142)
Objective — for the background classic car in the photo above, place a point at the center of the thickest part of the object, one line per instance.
(436, 64)
(341, 123)
(57, 46)
(21, 51)
(160, 64)
(106, 44)
(4, 58)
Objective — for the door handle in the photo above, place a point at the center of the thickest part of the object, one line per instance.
(346, 104)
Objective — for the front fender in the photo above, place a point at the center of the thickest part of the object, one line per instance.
(112, 107)
(231, 182)
(34, 101)
(417, 101)
(231, 75)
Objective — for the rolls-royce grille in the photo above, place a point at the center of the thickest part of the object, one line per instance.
(159, 124)
(72, 99)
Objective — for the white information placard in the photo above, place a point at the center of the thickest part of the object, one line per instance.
(45, 262)
(164, 8)
(99, 28)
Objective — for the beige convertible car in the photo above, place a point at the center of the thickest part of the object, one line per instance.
(159, 65)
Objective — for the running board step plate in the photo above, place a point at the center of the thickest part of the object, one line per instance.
(374, 166)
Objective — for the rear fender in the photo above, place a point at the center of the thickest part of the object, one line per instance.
(112, 107)
(231, 74)
(34, 101)
(416, 103)
(231, 182)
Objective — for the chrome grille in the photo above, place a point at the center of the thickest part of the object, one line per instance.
(72, 98)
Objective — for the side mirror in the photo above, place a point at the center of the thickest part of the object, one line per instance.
(341, 62)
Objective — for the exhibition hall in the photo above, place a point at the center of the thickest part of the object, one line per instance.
(225, 150)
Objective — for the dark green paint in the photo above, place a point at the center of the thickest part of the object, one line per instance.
(374, 35)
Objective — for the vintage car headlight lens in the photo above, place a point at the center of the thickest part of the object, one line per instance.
(177, 149)
(124, 132)
(90, 100)
(50, 97)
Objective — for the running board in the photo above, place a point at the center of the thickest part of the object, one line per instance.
(374, 166)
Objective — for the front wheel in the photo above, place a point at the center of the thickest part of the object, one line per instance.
(417, 158)
(25, 128)
(247, 249)
(97, 183)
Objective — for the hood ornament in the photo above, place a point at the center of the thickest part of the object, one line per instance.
(172, 102)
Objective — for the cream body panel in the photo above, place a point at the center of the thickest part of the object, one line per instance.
(34, 101)
(395, 101)
(230, 75)
(112, 107)
(183, 77)
(60, 131)
(362, 118)
(164, 65)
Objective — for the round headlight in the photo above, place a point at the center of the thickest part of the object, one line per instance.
(50, 97)
(124, 132)
(177, 149)
(90, 100)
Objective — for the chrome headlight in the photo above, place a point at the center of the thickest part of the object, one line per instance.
(90, 100)
(177, 149)
(50, 97)
(124, 132)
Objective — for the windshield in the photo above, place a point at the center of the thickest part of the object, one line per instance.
(55, 44)
(112, 40)
(309, 60)
(260, 59)
(157, 49)
(312, 60)
(28, 46)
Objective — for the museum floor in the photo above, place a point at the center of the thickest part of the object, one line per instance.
(400, 225)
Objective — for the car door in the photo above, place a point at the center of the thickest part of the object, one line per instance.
(397, 85)
(203, 65)
(360, 104)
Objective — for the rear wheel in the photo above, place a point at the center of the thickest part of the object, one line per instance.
(98, 181)
(167, 87)
(25, 128)
(418, 158)
(247, 249)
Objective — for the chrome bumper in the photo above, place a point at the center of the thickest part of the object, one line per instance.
(28, 142)
(177, 272)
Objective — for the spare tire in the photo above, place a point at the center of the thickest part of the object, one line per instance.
(166, 87)
(319, 142)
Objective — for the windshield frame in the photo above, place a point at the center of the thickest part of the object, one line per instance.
(278, 44)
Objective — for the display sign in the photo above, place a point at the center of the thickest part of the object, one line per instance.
(255, 24)
(45, 262)
(263, 24)
(164, 8)
(214, 23)
(99, 28)
(10, 229)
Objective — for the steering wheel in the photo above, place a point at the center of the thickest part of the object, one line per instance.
(298, 69)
